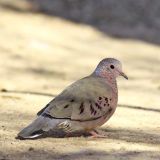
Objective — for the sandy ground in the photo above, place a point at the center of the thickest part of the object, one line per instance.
(44, 54)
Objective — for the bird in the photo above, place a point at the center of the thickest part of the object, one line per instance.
(84, 105)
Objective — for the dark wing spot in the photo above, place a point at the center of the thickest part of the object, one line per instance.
(66, 106)
(42, 110)
(100, 102)
(106, 99)
(100, 98)
(91, 109)
(81, 108)
(110, 110)
(110, 99)
(95, 112)
(98, 106)
(72, 100)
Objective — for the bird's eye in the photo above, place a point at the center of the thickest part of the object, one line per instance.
(112, 66)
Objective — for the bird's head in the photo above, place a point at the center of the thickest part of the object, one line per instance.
(110, 67)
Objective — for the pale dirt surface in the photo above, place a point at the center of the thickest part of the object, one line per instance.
(45, 54)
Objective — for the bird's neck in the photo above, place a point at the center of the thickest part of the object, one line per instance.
(113, 83)
(109, 78)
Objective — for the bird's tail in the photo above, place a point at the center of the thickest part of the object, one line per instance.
(38, 127)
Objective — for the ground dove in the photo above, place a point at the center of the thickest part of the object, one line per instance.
(83, 106)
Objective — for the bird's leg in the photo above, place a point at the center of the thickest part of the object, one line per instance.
(68, 135)
(73, 134)
(95, 134)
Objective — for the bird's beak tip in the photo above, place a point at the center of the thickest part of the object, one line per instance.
(124, 75)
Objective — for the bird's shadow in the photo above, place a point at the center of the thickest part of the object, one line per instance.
(135, 136)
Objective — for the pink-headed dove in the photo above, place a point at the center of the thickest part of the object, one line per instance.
(83, 106)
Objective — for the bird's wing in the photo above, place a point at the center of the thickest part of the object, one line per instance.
(84, 100)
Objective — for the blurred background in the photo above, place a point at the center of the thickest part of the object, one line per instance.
(47, 44)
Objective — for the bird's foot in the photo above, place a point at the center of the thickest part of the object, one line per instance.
(95, 134)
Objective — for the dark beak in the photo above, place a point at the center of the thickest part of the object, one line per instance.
(124, 75)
